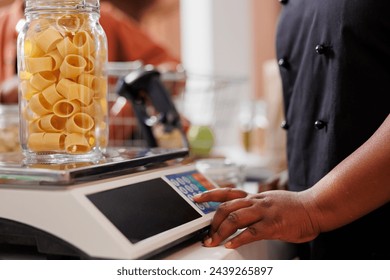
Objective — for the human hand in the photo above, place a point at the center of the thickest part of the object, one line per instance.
(269, 215)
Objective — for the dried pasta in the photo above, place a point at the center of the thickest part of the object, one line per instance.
(47, 40)
(84, 43)
(66, 108)
(39, 105)
(42, 80)
(39, 64)
(101, 88)
(35, 126)
(63, 87)
(56, 59)
(51, 94)
(46, 141)
(31, 49)
(84, 94)
(27, 90)
(9, 136)
(77, 143)
(28, 115)
(67, 89)
(68, 23)
(73, 65)
(103, 105)
(25, 75)
(90, 67)
(75, 91)
(52, 123)
(66, 47)
(79, 123)
(88, 80)
(91, 138)
(92, 109)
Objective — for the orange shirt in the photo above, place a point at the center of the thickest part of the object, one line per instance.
(126, 41)
(9, 17)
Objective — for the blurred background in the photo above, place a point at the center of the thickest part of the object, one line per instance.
(228, 65)
(227, 50)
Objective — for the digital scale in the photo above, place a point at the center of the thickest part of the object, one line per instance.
(132, 205)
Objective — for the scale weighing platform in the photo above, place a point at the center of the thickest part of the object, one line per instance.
(134, 204)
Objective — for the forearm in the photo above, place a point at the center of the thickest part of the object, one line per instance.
(355, 187)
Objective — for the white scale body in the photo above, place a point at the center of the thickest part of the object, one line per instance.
(131, 216)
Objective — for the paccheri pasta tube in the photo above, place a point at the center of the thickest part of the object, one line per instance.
(63, 89)
(42, 80)
(27, 90)
(51, 94)
(79, 123)
(66, 108)
(47, 40)
(77, 143)
(73, 66)
(68, 23)
(47, 141)
(52, 123)
(39, 64)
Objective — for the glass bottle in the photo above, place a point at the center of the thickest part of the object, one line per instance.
(9, 128)
(62, 60)
(260, 126)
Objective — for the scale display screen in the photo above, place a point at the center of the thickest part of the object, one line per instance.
(144, 209)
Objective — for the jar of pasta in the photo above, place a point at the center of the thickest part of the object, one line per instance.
(62, 58)
(9, 128)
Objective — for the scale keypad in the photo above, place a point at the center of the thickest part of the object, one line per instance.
(191, 183)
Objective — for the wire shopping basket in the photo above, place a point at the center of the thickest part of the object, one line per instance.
(201, 99)
(125, 128)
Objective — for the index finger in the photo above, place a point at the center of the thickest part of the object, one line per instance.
(220, 195)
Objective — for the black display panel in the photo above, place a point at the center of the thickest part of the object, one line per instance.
(144, 209)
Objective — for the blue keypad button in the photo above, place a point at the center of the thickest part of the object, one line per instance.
(183, 190)
(185, 179)
(201, 206)
(173, 181)
(194, 187)
(188, 188)
(191, 183)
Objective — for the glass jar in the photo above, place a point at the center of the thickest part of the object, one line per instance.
(62, 60)
(223, 172)
(9, 128)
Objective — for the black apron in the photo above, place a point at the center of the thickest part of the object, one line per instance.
(334, 58)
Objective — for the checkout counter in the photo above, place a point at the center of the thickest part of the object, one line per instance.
(134, 203)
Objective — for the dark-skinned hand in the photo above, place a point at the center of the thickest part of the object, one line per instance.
(268, 215)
